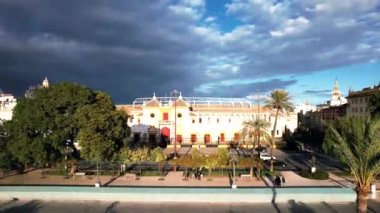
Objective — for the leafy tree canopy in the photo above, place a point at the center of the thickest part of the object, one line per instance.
(103, 130)
(44, 127)
(374, 104)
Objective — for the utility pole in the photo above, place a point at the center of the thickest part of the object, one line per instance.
(258, 113)
(174, 94)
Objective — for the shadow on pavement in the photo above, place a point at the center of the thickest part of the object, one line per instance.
(111, 180)
(8, 202)
(299, 207)
(330, 207)
(112, 208)
(373, 205)
(30, 207)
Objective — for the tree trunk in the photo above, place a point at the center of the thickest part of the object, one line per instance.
(273, 139)
(362, 199)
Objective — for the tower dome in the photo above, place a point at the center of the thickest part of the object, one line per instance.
(45, 83)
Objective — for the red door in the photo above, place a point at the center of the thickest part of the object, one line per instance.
(222, 137)
(193, 138)
(165, 132)
(179, 138)
(207, 138)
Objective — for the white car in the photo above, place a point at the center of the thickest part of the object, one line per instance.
(265, 156)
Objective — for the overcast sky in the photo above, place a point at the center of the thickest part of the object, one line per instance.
(227, 48)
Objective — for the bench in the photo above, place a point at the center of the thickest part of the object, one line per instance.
(130, 175)
(80, 174)
(245, 176)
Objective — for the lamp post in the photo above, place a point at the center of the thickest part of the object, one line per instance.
(175, 127)
(174, 94)
(233, 160)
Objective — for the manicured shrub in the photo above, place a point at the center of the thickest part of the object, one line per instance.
(268, 173)
(318, 175)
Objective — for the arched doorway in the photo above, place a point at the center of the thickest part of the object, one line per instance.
(165, 136)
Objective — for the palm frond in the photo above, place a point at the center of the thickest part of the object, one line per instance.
(356, 142)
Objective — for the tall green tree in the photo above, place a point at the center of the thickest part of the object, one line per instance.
(103, 130)
(6, 161)
(257, 128)
(357, 142)
(210, 163)
(374, 104)
(159, 157)
(251, 163)
(279, 100)
(45, 126)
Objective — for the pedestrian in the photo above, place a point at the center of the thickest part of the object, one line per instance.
(277, 181)
(283, 179)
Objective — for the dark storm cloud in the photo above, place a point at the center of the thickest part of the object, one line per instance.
(322, 93)
(247, 89)
(127, 48)
(136, 47)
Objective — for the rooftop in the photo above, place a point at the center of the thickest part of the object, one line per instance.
(197, 101)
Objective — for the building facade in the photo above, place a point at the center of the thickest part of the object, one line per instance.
(334, 108)
(358, 102)
(30, 92)
(198, 120)
(7, 103)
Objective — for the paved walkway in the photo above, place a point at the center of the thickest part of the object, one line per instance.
(103, 206)
(177, 179)
(36, 178)
(171, 179)
(293, 179)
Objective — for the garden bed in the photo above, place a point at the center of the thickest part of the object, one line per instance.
(317, 175)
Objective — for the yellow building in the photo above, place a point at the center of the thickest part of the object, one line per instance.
(197, 120)
(358, 101)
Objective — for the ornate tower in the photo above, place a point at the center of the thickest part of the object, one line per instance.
(337, 99)
(336, 92)
(45, 83)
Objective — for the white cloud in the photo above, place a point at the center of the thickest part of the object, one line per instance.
(239, 33)
(185, 11)
(347, 6)
(194, 3)
(291, 26)
(210, 19)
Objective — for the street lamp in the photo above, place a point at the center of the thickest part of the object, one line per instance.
(174, 94)
(234, 159)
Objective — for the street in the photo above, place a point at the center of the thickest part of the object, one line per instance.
(34, 206)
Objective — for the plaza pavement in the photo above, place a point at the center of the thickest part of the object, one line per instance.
(171, 179)
(174, 179)
(15, 206)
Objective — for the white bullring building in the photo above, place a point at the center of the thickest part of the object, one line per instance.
(7, 103)
(197, 120)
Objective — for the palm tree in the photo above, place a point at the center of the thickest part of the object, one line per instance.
(357, 143)
(280, 101)
(255, 127)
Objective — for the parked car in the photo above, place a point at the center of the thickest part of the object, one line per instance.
(265, 156)
(276, 163)
(261, 149)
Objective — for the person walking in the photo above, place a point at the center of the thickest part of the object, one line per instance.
(277, 181)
